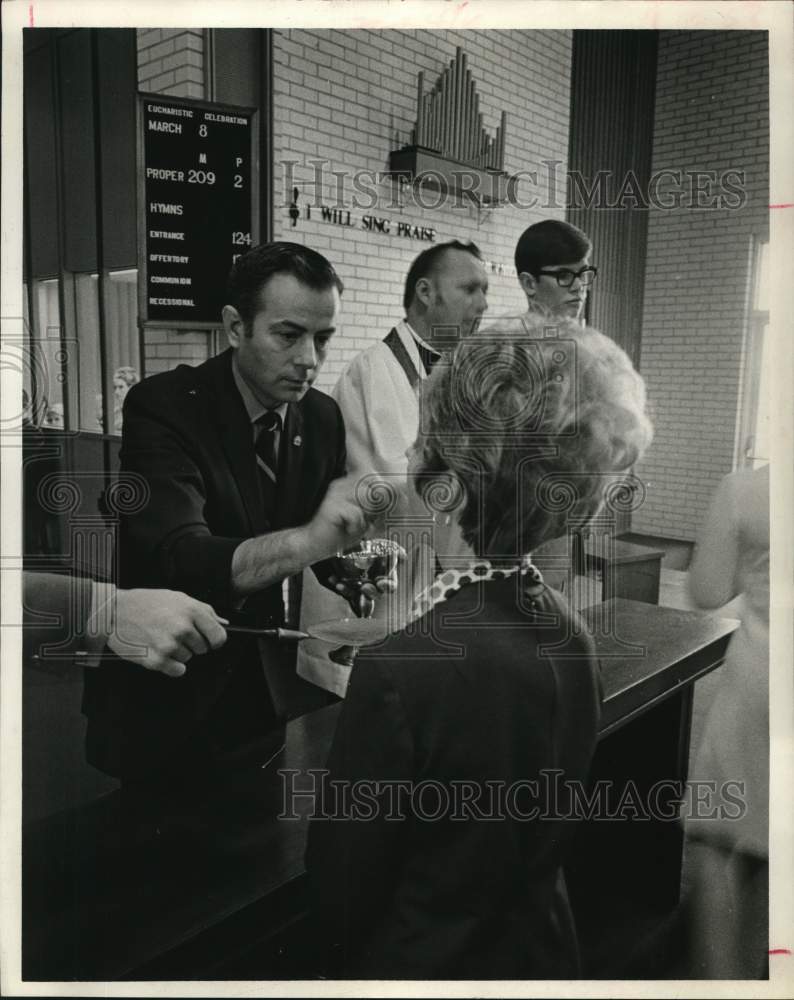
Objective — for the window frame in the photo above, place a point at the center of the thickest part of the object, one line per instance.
(756, 339)
(71, 373)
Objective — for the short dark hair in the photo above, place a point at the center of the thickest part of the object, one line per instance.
(551, 242)
(252, 270)
(427, 261)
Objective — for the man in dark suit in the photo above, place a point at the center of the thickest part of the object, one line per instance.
(240, 455)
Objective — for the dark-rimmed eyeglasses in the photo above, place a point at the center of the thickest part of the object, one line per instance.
(565, 277)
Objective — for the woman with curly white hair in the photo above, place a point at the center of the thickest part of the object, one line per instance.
(440, 854)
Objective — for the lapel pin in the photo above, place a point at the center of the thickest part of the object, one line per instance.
(297, 440)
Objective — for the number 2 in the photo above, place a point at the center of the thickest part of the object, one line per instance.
(238, 180)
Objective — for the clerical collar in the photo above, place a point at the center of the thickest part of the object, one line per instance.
(253, 407)
(436, 353)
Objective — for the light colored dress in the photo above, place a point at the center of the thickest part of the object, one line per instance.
(729, 856)
(733, 559)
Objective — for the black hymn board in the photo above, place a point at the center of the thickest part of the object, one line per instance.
(198, 206)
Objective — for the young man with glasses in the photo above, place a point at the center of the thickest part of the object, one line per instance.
(553, 264)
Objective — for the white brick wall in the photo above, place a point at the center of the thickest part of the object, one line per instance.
(342, 96)
(348, 97)
(711, 114)
(171, 61)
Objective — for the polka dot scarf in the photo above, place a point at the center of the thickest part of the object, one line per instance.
(478, 570)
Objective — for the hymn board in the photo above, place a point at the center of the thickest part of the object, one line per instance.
(198, 206)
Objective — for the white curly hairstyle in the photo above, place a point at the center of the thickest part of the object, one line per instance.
(518, 417)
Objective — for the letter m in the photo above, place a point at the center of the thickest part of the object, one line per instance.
(579, 196)
(594, 806)
(202, 157)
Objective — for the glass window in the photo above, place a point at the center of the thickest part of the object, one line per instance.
(754, 441)
(121, 336)
(762, 278)
(45, 380)
(759, 450)
(46, 328)
(89, 367)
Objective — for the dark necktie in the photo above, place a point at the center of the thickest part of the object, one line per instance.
(429, 358)
(269, 424)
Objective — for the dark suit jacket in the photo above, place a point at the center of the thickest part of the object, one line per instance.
(187, 433)
(459, 896)
(55, 612)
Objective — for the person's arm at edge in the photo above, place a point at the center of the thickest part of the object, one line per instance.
(48, 596)
(712, 571)
(157, 629)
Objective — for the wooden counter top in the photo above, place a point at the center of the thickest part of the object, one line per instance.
(185, 902)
